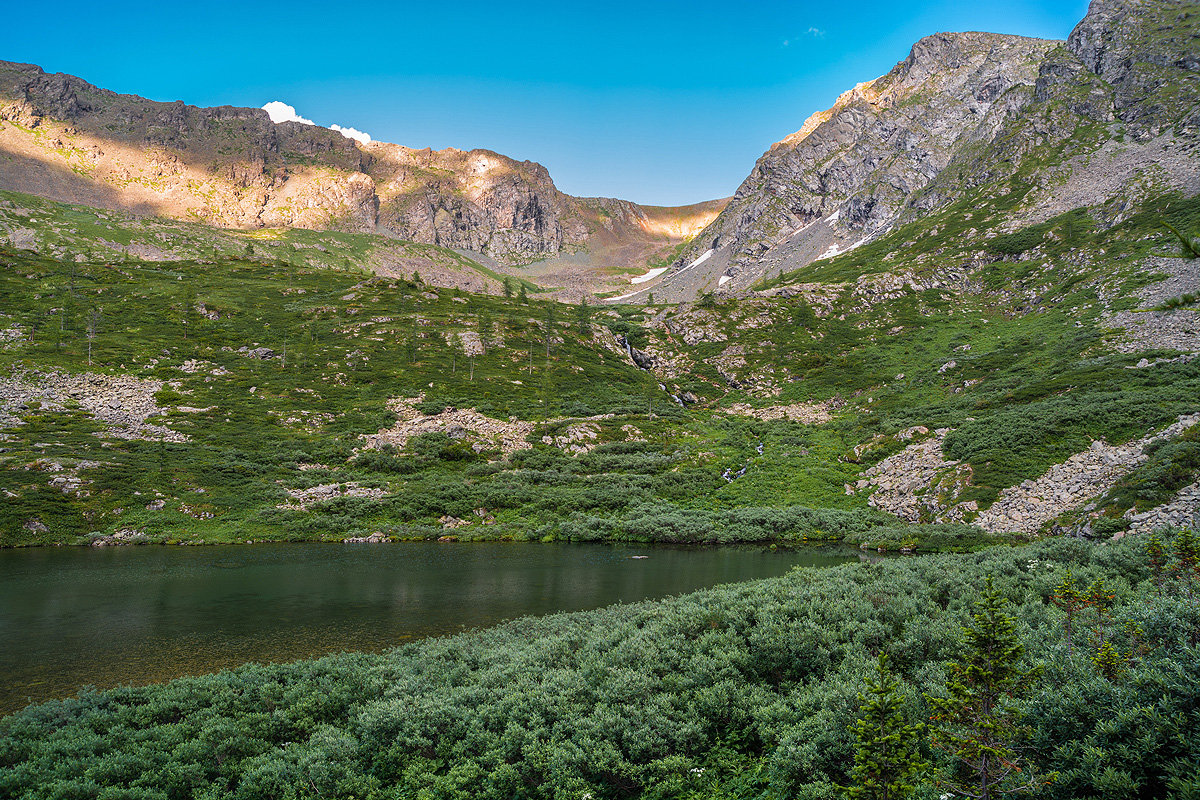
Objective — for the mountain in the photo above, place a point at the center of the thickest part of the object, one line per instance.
(1011, 344)
(1102, 120)
(961, 310)
(66, 140)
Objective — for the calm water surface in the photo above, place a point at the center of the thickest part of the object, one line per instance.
(73, 617)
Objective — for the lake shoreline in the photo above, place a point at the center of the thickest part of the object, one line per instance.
(106, 616)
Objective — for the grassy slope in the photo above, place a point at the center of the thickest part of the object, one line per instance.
(75, 230)
(1034, 377)
(1037, 383)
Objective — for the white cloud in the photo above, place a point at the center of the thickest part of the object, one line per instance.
(812, 31)
(352, 133)
(279, 111)
(282, 112)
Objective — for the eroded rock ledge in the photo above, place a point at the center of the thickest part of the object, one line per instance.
(919, 484)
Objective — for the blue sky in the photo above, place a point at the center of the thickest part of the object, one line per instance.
(659, 102)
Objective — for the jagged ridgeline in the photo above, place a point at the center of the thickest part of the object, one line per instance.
(974, 134)
(67, 140)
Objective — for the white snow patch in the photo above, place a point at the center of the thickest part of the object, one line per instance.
(279, 112)
(649, 276)
(834, 216)
(834, 250)
(724, 279)
(624, 296)
(705, 256)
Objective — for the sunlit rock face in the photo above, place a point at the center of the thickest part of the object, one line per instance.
(1106, 117)
(248, 168)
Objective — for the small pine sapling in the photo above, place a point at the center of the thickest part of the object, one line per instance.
(1189, 244)
(1068, 597)
(887, 755)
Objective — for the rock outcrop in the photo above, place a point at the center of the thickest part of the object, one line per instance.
(1181, 511)
(123, 403)
(481, 432)
(849, 171)
(919, 484)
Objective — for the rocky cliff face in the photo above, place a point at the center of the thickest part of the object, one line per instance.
(850, 170)
(1109, 113)
(62, 138)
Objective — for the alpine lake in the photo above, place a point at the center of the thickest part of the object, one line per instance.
(74, 617)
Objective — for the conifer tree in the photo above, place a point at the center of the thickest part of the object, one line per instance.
(1157, 555)
(1187, 560)
(1068, 597)
(487, 328)
(412, 344)
(522, 295)
(1100, 598)
(1189, 244)
(507, 288)
(1109, 661)
(976, 723)
(583, 316)
(887, 756)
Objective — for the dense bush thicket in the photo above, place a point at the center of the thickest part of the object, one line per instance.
(746, 690)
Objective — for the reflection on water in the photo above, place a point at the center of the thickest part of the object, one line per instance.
(72, 617)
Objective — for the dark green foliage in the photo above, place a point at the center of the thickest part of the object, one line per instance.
(1016, 441)
(345, 359)
(1189, 244)
(975, 721)
(1173, 464)
(583, 317)
(1186, 299)
(1064, 232)
(1071, 600)
(629, 330)
(887, 756)
(744, 691)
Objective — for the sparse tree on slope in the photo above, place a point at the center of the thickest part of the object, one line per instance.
(93, 330)
(976, 722)
(887, 756)
(583, 316)
(1189, 245)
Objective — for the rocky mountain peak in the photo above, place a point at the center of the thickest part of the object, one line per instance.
(850, 170)
(1102, 118)
(1139, 48)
